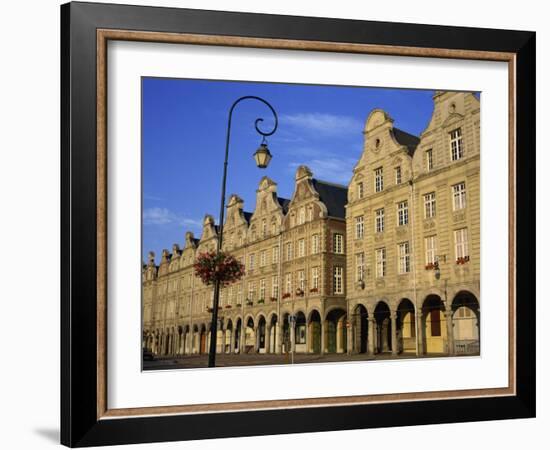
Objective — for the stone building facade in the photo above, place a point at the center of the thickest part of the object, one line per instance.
(388, 264)
(294, 255)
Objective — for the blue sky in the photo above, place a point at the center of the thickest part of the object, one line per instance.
(184, 126)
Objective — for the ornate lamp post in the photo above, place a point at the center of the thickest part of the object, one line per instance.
(262, 157)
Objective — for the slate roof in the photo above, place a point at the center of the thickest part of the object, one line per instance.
(284, 202)
(334, 196)
(409, 140)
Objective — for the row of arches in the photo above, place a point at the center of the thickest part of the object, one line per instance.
(432, 329)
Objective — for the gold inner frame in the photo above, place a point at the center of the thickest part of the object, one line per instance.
(103, 36)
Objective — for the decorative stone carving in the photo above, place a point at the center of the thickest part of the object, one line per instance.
(429, 224)
(459, 216)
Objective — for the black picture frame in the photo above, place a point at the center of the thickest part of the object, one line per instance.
(80, 425)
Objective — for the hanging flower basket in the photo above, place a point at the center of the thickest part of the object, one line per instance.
(261, 301)
(299, 292)
(432, 266)
(273, 299)
(213, 266)
(287, 295)
(227, 306)
(462, 260)
(314, 290)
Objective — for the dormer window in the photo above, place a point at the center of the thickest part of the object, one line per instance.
(378, 179)
(429, 160)
(457, 148)
(398, 175)
(360, 190)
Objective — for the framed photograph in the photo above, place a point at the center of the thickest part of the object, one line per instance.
(276, 224)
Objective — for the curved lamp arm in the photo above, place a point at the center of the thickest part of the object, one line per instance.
(264, 134)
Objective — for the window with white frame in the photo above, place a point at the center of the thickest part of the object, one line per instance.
(251, 290)
(360, 190)
(275, 286)
(379, 220)
(288, 251)
(314, 244)
(240, 294)
(359, 227)
(301, 280)
(459, 196)
(461, 243)
(251, 262)
(262, 288)
(310, 213)
(338, 280)
(230, 295)
(380, 262)
(429, 205)
(264, 228)
(431, 249)
(404, 257)
(288, 283)
(315, 278)
(378, 179)
(359, 266)
(263, 258)
(301, 248)
(429, 159)
(273, 228)
(275, 254)
(338, 243)
(403, 213)
(398, 175)
(457, 148)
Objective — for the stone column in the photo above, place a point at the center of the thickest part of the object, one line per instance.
(340, 336)
(357, 333)
(419, 334)
(267, 340)
(190, 338)
(393, 317)
(349, 337)
(324, 342)
(372, 328)
(278, 339)
(242, 338)
(450, 334)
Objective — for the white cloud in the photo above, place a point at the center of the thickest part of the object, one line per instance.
(337, 170)
(323, 123)
(163, 216)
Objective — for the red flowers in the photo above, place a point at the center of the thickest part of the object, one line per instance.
(212, 266)
(462, 260)
(286, 295)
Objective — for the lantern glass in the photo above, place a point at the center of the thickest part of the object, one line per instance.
(262, 156)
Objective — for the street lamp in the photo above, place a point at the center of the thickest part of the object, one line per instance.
(262, 156)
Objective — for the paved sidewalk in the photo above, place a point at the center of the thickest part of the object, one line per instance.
(199, 361)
